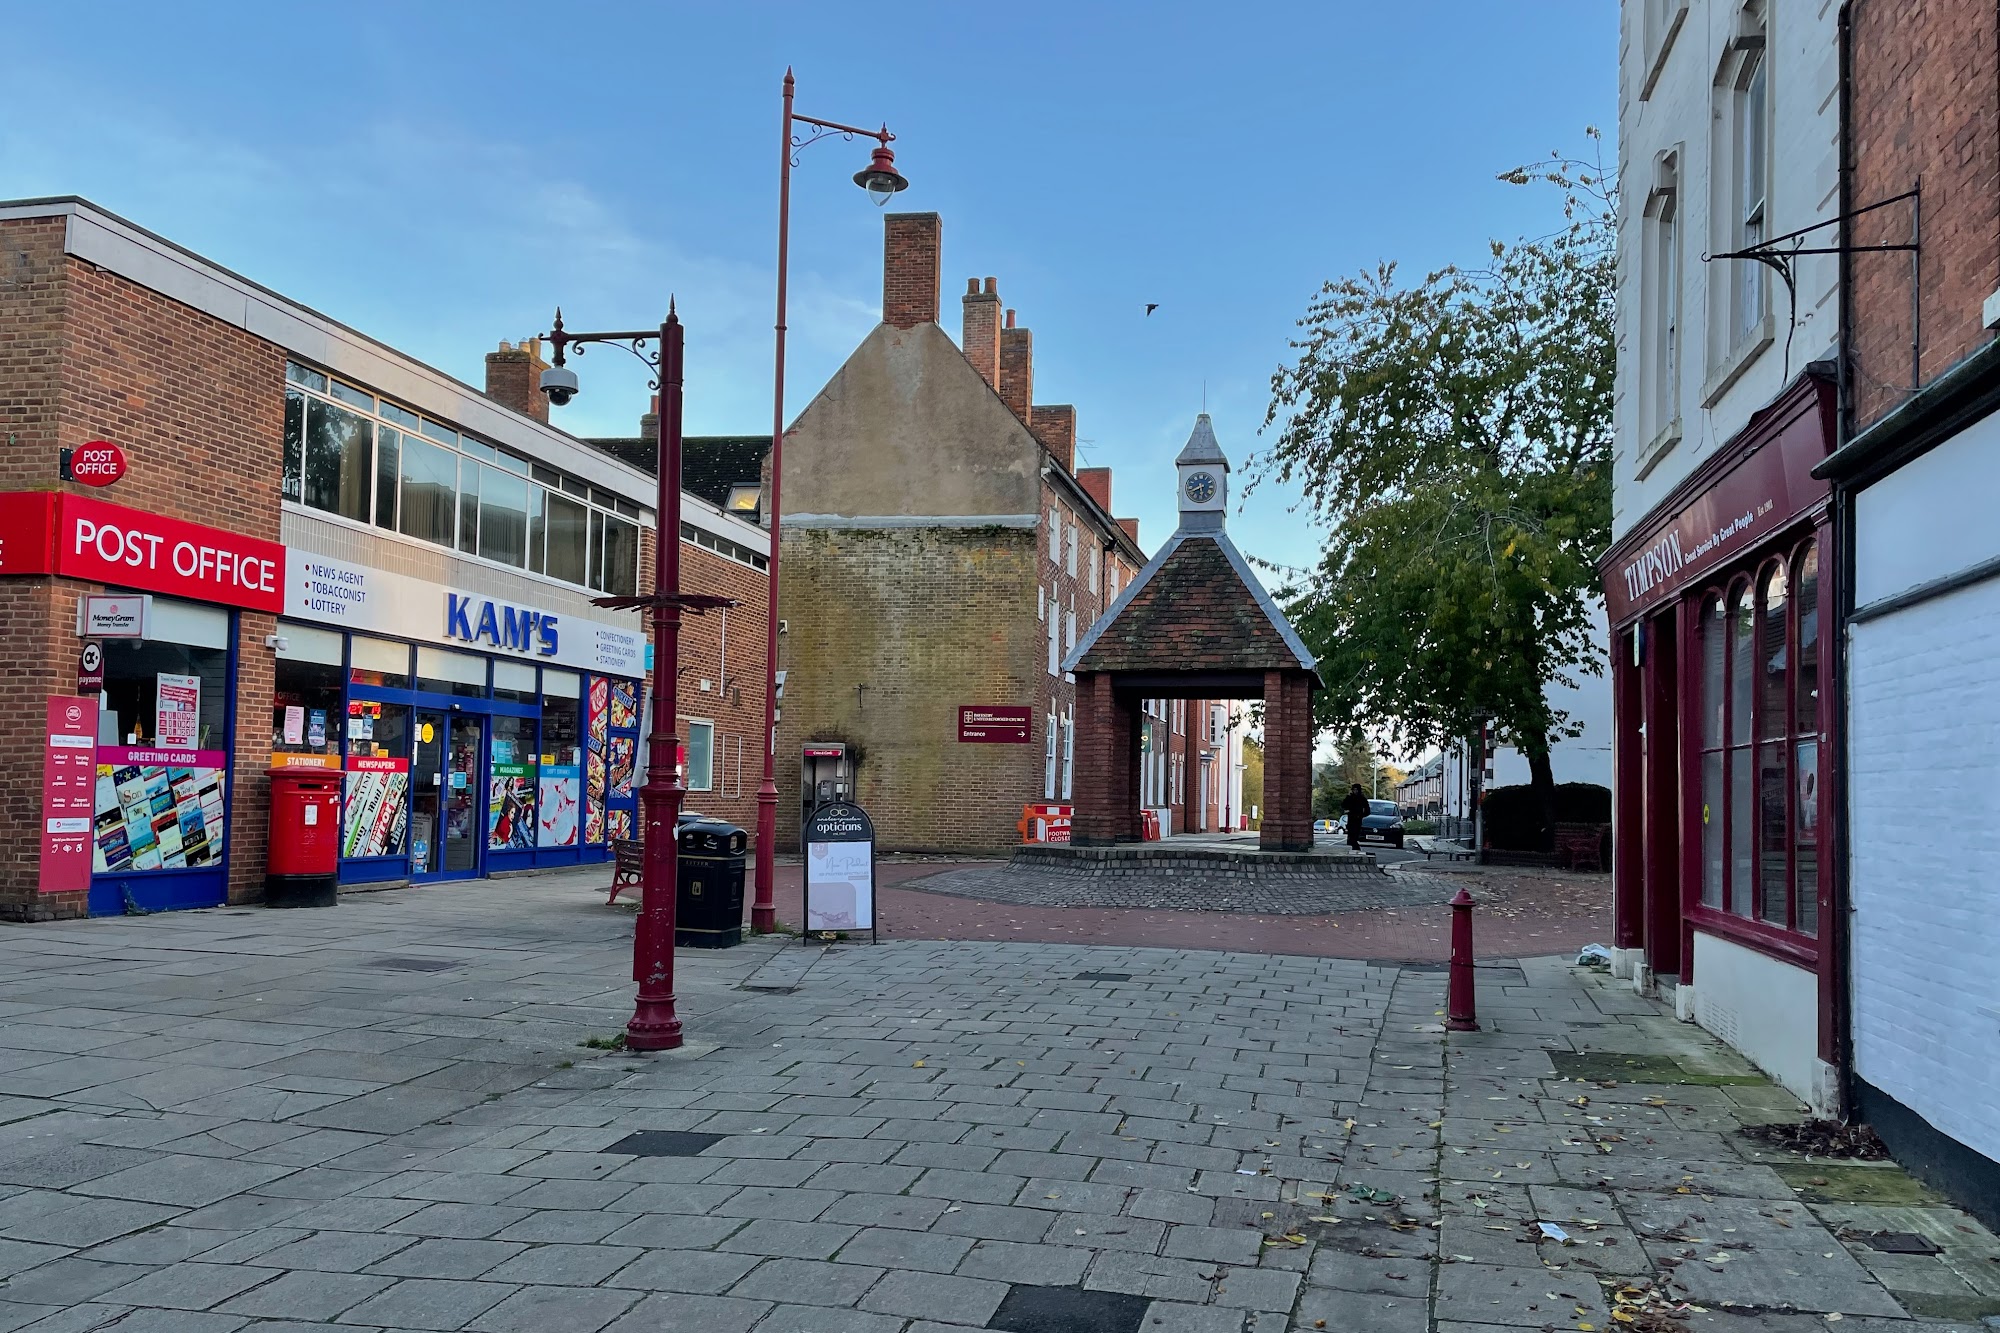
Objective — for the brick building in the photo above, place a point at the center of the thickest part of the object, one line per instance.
(1914, 483)
(323, 554)
(941, 551)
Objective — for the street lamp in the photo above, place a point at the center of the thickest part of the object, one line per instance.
(881, 179)
(654, 1025)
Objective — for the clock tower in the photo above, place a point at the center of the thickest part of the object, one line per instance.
(1203, 474)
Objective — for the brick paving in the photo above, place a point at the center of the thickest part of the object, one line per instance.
(1194, 885)
(379, 1116)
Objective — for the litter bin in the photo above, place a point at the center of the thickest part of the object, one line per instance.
(709, 901)
(304, 858)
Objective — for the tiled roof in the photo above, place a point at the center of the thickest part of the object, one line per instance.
(710, 464)
(1196, 607)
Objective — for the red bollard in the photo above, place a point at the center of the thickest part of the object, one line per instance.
(1459, 1008)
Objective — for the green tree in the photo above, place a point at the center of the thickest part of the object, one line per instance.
(1355, 762)
(1454, 434)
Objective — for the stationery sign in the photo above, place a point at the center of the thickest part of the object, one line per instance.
(69, 785)
(840, 869)
(176, 711)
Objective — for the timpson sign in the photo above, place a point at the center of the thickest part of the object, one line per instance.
(1763, 494)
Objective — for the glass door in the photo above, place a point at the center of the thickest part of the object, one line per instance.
(427, 792)
(464, 795)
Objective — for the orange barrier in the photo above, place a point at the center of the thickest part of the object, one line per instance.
(1045, 823)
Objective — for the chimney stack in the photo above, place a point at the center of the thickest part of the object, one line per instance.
(1017, 370)
(981, 339)
(1131, 526)
(1055, 427)
(1096, 483)
(649, 424)
(514, 377)
(910, 269)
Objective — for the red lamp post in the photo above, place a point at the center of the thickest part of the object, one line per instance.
(654, 1025)
(881, 179)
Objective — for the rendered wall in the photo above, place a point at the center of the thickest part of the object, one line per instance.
(1766, 1009)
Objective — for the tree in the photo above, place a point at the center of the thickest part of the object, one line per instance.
(1355, 762)
(1454, 434)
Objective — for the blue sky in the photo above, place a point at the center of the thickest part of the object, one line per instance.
(440, 176)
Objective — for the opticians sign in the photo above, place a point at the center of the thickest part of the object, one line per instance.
(379, 601)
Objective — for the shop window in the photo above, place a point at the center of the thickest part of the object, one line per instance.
(1759, 743)
(379, 662)
(163, 745)
(339, 461)
(700, 752)
(441, 671)
(376, 786)
(168, 695)
(559, 803)
(306, 705)
(511, 794)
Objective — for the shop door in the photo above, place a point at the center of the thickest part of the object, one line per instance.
(446, 831)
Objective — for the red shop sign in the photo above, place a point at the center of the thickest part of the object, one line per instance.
(98, 463)
(27, 532)
(109, 543)
(994, 724)
(69, 794)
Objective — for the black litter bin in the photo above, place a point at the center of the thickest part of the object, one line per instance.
(709, 912)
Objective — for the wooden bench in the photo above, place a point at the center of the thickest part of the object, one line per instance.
(1581, 846)
(628, 868)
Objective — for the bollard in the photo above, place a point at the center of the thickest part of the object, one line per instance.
(1459, 1007)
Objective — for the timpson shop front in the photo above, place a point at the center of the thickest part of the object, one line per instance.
(475, 731)
(1724, 713)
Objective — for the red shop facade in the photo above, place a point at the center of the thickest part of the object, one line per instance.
(1724, 710)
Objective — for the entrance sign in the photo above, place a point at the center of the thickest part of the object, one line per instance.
(840, 869)
(69, 785)
(994, 724)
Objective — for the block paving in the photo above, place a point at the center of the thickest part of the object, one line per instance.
(244, 1119)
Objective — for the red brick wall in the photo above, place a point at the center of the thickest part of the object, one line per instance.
(1017, 370)
(980, 336)
(734, 701)
(1926, 103)
(198, 407)
(910, 269)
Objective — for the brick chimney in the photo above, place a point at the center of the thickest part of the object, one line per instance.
(981, 339)
(1131, 526)
(1017, 370)
(649, 424)
(1055, 427)
(910, 271)
(514, 376)
(1096, 483)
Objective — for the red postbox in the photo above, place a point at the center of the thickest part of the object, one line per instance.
(302, 865)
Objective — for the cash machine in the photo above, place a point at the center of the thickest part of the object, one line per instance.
(825, 776)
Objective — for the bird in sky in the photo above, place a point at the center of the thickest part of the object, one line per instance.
(1151, 306)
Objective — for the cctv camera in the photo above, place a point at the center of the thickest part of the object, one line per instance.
(559, 383)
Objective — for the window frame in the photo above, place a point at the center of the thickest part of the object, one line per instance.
(1731, 917)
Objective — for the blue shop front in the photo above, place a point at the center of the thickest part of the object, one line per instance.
(476, 734)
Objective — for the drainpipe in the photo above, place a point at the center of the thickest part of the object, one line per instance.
(1838, 1009)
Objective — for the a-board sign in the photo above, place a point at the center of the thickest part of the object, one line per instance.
(840, 869)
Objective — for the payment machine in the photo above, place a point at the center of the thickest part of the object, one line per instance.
(825, 776)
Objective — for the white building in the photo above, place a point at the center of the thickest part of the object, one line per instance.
(1728, 138)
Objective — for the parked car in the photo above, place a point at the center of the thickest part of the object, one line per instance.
(1325, 828)
(1383, 823)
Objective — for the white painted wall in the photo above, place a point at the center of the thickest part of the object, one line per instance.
(1766, 1009)
(1676, 115)
(1924, 792)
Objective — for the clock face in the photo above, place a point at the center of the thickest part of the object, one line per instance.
(1201, 487)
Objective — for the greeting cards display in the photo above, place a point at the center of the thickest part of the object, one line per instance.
(157, 809)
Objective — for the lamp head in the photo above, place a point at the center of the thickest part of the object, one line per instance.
(880, 177)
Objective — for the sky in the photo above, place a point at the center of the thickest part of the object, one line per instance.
(441, 176)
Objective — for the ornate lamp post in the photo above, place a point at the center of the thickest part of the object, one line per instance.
(654, 1025)
(881, 179)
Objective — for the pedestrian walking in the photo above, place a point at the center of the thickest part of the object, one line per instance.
(1355, 807)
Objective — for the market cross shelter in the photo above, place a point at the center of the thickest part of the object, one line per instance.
(1195, 624)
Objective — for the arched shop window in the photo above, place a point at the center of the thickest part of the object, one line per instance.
(1759, 744)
